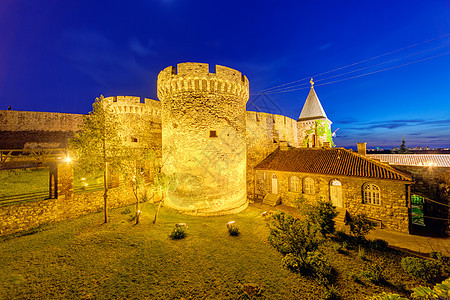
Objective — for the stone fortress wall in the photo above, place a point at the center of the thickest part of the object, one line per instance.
(32, 129)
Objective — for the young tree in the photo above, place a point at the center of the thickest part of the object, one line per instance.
(98, 145)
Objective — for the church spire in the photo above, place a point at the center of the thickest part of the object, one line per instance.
(312, 109)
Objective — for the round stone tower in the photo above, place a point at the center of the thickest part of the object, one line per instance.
(203, 137)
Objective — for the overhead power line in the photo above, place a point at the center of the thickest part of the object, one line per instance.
(288, 87)
(361, 75)
(357, 70)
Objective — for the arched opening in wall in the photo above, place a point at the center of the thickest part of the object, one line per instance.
(336, 193)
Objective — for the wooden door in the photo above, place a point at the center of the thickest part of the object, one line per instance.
(336, 193)
(274, 184)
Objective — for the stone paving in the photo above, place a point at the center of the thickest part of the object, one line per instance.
(415, 243)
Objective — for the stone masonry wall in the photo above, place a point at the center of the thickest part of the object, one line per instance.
(12, 120)
(393, 211)
(31, 129)
(19, 217)
(264, 132)
(203, 137)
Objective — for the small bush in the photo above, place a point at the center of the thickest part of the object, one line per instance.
(290, 235)
(233, 230)
(293, 263)
(360, 225)
(443, 260)
(331, 293)
(379, 244)
(374, 274)
(320, 213)
(340, 236)
(361, 253)
(421, 268)
(126, 211)
(320, 267)
(178, 233)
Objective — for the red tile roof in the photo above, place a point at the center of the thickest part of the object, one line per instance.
(329, 161)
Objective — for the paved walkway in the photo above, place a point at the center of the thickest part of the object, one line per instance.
(416, 243)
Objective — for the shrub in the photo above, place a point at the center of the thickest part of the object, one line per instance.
(379, 244)
(290, 235)
(421, 268)
(319, 266)
(177, 233)
(440, 291)
(443, 260)
(331, 293)
(374, 274)
(316, 264)
(293, 263)
(321, 213)
(340, 236)
(126, 211)
(360, 225)
(233, 230)
(361, 253)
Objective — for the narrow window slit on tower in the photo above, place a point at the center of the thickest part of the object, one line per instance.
(212, 133)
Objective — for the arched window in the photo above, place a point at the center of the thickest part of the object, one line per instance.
(308, 186)
(371, 194)
(294, 184)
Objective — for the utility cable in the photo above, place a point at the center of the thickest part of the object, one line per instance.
(366, 74)
(349, 72)
(356, 63)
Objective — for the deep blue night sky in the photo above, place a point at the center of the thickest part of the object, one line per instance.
(59, 55)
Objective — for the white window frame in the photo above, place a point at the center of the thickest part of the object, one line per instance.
(371, 194)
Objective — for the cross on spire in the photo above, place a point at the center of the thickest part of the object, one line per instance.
(312, 82)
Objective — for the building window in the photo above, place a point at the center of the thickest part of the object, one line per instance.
(212, 133)
(371, 194)
(294, 184)
(133, 139)
(308, 186)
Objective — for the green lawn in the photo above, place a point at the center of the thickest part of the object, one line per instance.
(85, 259)
(15, 182)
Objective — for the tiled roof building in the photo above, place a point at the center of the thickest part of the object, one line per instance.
(352, 182)
(329, 161)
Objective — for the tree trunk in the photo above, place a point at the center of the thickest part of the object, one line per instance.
(138, 212)
(105, 194)
(159, 206)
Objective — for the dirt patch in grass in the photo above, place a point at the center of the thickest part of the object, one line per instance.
(83, 258)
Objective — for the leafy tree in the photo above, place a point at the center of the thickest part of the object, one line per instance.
(98, 146)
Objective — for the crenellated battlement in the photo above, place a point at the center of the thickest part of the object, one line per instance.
(131, 104)
(195, 77)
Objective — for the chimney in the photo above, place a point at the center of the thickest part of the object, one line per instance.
(283, 146)
(361, 148)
